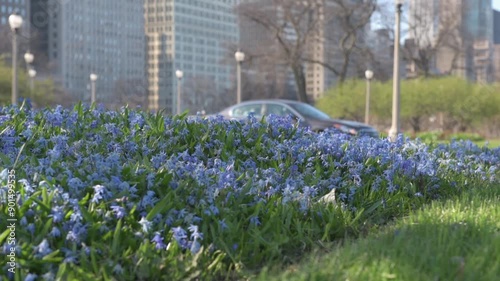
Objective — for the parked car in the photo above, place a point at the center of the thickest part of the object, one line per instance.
(307, 115)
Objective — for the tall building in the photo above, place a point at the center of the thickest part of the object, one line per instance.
(268, 76)
(7, 7)
(496, 42)
(318, 43)
(460, 32)
(92, 36)
(191, 36)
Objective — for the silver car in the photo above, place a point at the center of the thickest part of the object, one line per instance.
(307, 115)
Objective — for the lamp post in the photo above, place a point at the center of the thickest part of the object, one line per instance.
(29, 58)
(32, 74)
(369, 76)
(240, 57)
(394, 131)
(179, 75)
(93, 79)
(15, 22)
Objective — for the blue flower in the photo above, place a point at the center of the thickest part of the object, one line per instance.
(180, 236)
(43, 248)
(158, 240)
(254, 220)
(145, 224)
(30, 277)
(194, 232)
(120, 212)
(55, 232)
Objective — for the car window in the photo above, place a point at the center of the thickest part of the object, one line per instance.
(245, 110)
(309, 111)
(278, 109)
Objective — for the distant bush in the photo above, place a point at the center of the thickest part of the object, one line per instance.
(466, 136)
(430, 136)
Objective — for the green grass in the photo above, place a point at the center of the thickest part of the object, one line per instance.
(491, 143)
(458, 239)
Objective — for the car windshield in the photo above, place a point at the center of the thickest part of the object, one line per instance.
(309, 111)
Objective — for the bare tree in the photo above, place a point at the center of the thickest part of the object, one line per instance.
(436, 38)
(328, 33)
(345, 28)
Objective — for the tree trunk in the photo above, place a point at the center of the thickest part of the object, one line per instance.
(300, 81)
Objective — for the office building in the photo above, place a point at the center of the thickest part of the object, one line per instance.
(92, 36)
(460, 32)
(194, 37)
(496, 42)
(7, 7)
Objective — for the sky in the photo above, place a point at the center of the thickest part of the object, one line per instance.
(496, 4)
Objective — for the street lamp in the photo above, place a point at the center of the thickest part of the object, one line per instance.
(93, 79)
(369, 76)
(240, 57)
(179, 75)
(29, 58)
(32, 74)
(15, 22)
(394, 131)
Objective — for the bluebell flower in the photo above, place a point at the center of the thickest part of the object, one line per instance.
(194, 232)
(31, 228)
(100, 192)
(30, 277)
(43, 248)
(149, 200)
(118, 269)
(180, 236)
(145, 224)
(158, 241)
(76, 216)
(49, 276)
(120, 212)
(254, 220)
(55, 232)
(195, 247)
(57, 213)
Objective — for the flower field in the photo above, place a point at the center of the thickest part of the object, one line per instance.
(129, 195)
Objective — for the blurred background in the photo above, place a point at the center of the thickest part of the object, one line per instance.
(182, 54)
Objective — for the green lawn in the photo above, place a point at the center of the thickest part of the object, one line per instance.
(458, 239)
(491, 143)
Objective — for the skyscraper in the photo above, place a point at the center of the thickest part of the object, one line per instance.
(191, 36)
(459, 34)
(7, 7)
(92, 36)
(496, 42)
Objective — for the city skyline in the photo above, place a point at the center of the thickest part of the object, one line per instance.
(76, 38)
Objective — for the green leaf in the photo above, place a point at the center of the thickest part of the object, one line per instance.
(5, 159)
(164, 204)
(18, 155)
(116, 238)
(4, 235)
(41, 204)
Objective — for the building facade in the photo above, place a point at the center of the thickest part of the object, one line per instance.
(7, 7)
(496, 42)
(78, 38)
(460, 33)
(193, 37)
